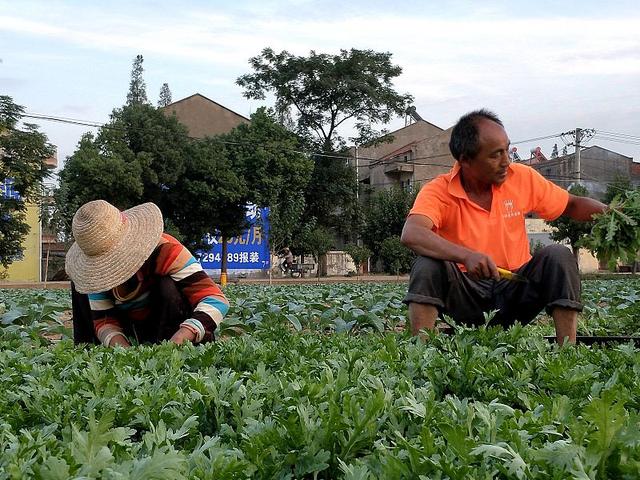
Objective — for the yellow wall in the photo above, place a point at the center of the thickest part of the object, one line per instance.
(28, 269)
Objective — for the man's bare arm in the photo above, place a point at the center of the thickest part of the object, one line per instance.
(583, 208)
(418, 235)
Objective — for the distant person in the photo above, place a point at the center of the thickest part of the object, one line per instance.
(468, 222)
(131, 281)
(287, 262)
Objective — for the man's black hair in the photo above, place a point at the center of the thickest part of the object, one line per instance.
(464, 136)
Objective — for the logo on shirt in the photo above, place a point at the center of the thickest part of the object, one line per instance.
(509, 209)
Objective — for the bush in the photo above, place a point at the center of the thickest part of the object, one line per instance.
(396, 258)
(535, 246)
(359, 254)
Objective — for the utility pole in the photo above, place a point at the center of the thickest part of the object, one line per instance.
(357, 174)
(577, 137)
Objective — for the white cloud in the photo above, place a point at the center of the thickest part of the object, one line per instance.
(543, 71)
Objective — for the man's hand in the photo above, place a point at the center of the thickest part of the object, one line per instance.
(183, 334)
(480, 266)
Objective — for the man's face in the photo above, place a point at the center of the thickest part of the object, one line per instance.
(489, 166)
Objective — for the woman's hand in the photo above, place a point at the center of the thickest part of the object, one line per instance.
(183, 334)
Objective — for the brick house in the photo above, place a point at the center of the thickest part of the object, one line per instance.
(203, 117)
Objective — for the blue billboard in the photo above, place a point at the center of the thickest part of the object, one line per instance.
(249, 251)
(7, 190)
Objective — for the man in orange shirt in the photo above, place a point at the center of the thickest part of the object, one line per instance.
(468, 222)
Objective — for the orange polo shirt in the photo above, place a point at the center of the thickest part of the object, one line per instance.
(499, 233)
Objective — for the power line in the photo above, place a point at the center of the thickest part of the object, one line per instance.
(72, 121)
(537, 138)
(624, 135)
(617, 139)
(92, 124)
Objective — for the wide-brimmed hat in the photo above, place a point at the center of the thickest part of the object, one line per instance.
(110, 245)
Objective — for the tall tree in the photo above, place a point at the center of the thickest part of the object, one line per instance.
(22, 152)
(317, 242)
(321, 91)
(92, 173)
(165, 96)
(211, 198)
(384, 216)
(269, 159)
(137, 88)
(317, 94)
(569, 229)
(138, 156)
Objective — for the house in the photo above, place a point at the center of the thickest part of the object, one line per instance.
(416, 154)
(598, 168)
(203, 117)
(28, 267)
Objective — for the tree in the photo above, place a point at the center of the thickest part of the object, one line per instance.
(137, 88)
(564, 151)
(317, 94)
(384, 216)
(92, 174)
(359, 254)
(331, 197)
(22, 152)
(138, 156)
(324, 91)
(569, 229)
(619, 185)
(165, 96)
(554, 152)
(212, 197)
(268, 157)
(395, 257)
(317, 242)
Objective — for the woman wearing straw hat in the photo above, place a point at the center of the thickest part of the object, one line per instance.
(131, 281)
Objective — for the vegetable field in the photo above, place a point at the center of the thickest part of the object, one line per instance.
(321, 382)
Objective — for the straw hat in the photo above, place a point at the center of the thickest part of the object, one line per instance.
(110, 245)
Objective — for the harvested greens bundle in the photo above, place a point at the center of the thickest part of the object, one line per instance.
(616, 233)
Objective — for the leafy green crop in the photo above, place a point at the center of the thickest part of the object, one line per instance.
(302, 396)
(616, 233)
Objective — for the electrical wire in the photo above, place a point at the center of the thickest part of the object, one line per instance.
(537, 138)
(616, 139)
(624, 135)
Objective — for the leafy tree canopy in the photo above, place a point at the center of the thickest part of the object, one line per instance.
(384, 216)
(321, 92)
(277, 174)
(396, 258)
(316, 95)
(317, 242)
(212, 196)
(569, 229)
(137, 94)
(22, 153)
(616, 188)
(138, 156)
(165, 96)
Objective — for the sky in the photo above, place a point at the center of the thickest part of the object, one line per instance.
(544, 67)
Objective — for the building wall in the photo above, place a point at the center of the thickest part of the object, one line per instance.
(419, 153)
(338, 263)
(539, 231)
(28, 269)
(369, 157)
(433, 158)
(204, 117)
(598, 167)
